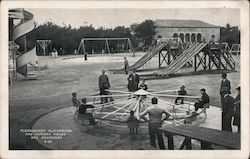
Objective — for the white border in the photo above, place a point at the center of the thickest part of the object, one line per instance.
(244, 11)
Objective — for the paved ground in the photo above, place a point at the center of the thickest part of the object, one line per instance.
(29, 100)
(103, 137)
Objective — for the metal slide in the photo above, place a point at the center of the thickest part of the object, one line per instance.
(145, 58)
(181, 60)
(25, 26)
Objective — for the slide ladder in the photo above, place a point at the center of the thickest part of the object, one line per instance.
(222, 59)
(145, 58)
(25, 26)
(181, 60)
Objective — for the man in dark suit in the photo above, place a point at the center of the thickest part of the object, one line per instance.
(103, 85)
(225, 86)
(236, 120)
(133, 81)
(227, 111)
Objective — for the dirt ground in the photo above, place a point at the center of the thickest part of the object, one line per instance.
(31, 99)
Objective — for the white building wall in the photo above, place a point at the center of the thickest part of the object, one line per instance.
(206, 33)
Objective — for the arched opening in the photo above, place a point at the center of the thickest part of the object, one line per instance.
(159, 36)
(187, 37)
(193, 39)
(199, 38)
(175, 35)
(182, 37)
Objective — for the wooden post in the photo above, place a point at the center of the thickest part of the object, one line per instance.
(205, 61)
(43, 43)
(159, 59)
(25, 43)
(83, 47)
(205, 145)
(209, 61)
(169, 55)
(195, 62)
(170, 141)
(85, 53)
(220, 64)
(188, 143)
(107, 45)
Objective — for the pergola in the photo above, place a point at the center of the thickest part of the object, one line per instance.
(82, 47)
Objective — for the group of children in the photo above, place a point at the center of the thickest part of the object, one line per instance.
(54, 53)
(201, 102)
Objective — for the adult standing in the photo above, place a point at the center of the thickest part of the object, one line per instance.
(133, 81)
(224, 88)
(155, 122)
(103, 85)
(225, 85)
(126, 65)
(236, 120)
(227, 111)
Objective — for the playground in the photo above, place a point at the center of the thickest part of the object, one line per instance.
(43, 115)
(39, 102)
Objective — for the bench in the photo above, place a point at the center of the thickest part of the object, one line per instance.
(206, 136)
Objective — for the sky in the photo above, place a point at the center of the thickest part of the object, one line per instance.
(110, 18)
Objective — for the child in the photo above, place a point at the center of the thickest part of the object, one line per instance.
(75, 101)
(204, 100)
(143, 85)
(83, 108)
(133, 123)
(182, 92)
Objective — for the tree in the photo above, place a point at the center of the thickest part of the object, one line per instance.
(68, 38)
(229, 34)
(145, 31)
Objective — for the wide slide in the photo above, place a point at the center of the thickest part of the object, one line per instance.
(145, 58)
(181, 60)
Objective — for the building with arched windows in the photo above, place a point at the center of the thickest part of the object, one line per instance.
(187, 30)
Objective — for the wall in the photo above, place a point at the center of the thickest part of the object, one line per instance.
(205, 32)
